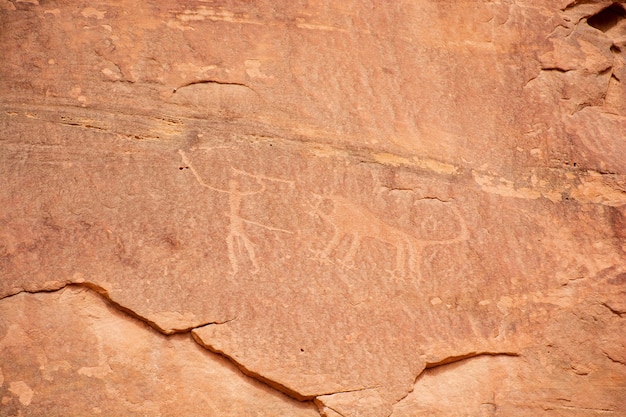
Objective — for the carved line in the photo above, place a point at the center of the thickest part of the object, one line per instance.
(236, 234)
(354, 221)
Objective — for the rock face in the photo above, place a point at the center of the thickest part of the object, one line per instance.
(301, 208)
(72, 354)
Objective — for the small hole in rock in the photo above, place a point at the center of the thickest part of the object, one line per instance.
(607, 18)
(301, 350)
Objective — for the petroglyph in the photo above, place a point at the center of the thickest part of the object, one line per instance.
(237, 239)
(350, 220)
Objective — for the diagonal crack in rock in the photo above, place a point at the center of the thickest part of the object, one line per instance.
(275, 385)
(103, 293)
(255, 375)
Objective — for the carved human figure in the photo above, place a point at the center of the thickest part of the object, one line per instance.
(236, 232)
(237, 237)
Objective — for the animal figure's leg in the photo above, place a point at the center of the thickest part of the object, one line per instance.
(400, 259)
(413, 259)
(334, 242)
(348, 260)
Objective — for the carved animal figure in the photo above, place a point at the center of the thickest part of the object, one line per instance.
(357, 222)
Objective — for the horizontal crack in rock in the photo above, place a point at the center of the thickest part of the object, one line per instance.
(211, 82)
(459, 358)
(557, 69)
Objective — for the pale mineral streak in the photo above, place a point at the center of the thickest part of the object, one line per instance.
(278, 208)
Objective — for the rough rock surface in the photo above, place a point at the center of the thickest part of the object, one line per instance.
(370, 209)
(73, 354)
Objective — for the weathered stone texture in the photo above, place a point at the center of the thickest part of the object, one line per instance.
(69, 353)
(368, 208)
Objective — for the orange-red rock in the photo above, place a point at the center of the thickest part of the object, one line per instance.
(68, 353)
(351, 202)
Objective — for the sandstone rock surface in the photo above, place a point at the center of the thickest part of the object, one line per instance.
(408, 208)
(72, 354)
